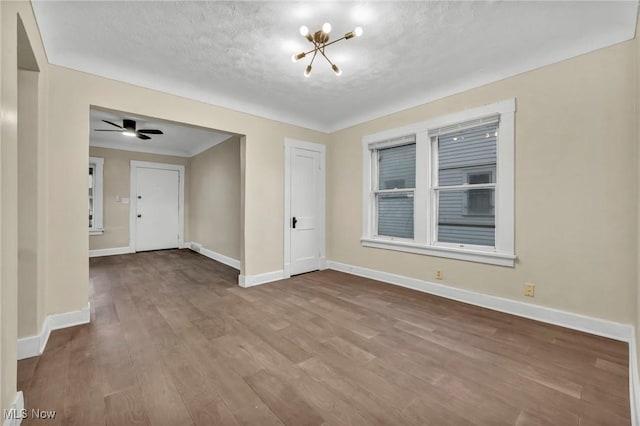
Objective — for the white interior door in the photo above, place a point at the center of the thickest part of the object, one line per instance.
(305, 210)
(157, 209)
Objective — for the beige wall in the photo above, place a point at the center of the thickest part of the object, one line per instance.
(9, 306)
(214, 198)
(70, 96)
(636, 185)
(116, 183)
(575, 197)
(243, 186)
(28, 203)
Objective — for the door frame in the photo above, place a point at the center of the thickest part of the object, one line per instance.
(133, 198)
(289, 144)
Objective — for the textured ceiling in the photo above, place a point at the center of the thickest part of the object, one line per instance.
(237, 54)
(180, 140)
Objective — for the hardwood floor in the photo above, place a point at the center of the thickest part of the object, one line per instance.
(174, 341)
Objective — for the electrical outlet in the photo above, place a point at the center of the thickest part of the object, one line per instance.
(438, 274)
(529, 289)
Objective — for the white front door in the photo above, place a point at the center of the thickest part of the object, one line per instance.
(305, 204)
(157, 209)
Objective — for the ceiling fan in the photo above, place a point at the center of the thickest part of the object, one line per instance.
(128, 128)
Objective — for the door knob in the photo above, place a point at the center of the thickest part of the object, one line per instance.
(293, 222)
(139, 215)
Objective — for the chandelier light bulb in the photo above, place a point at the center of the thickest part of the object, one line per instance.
(296, 58)
(326, 28)
(304, 31)
(307, 72)
(358, 31)
(336, 70)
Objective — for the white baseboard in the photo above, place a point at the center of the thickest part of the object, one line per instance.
(634, 382)
(600, 327)
(34, 345)
(110, 251)
(267, 277)
(243, 280)
(15, 412)
(29, 347)
(229, 261)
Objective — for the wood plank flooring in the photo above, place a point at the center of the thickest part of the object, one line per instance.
(174, 341)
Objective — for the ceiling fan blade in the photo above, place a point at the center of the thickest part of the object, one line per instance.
(107, 130)
(141, 136)
(113, 124)
(151, 131)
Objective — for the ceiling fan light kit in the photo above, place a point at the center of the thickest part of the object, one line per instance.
(320, 40)
(128, 128)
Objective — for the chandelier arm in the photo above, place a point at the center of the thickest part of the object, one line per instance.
(317, 46)
(334, 41)
(325, 56)
(314, 57)
(320, 42)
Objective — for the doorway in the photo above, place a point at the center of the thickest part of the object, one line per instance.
(157, 206)
(304, 210)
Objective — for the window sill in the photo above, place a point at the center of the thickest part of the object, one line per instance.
(96, 232)
(491, 258)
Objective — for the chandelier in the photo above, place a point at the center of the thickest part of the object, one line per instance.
(320, 40)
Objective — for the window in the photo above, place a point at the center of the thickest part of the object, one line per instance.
(479, 202)
(394, 192)
(95, 195)
(463, 182)
(444, 187)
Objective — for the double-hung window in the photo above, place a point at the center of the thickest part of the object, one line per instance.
(463, 182)
(395, 183)
(444, 187)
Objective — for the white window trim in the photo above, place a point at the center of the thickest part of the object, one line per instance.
(98, 226)
(504, 252)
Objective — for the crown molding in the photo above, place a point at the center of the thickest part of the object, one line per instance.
(425, 97)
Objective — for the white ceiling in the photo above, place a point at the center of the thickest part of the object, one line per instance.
(179, 140)
(237, 54)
